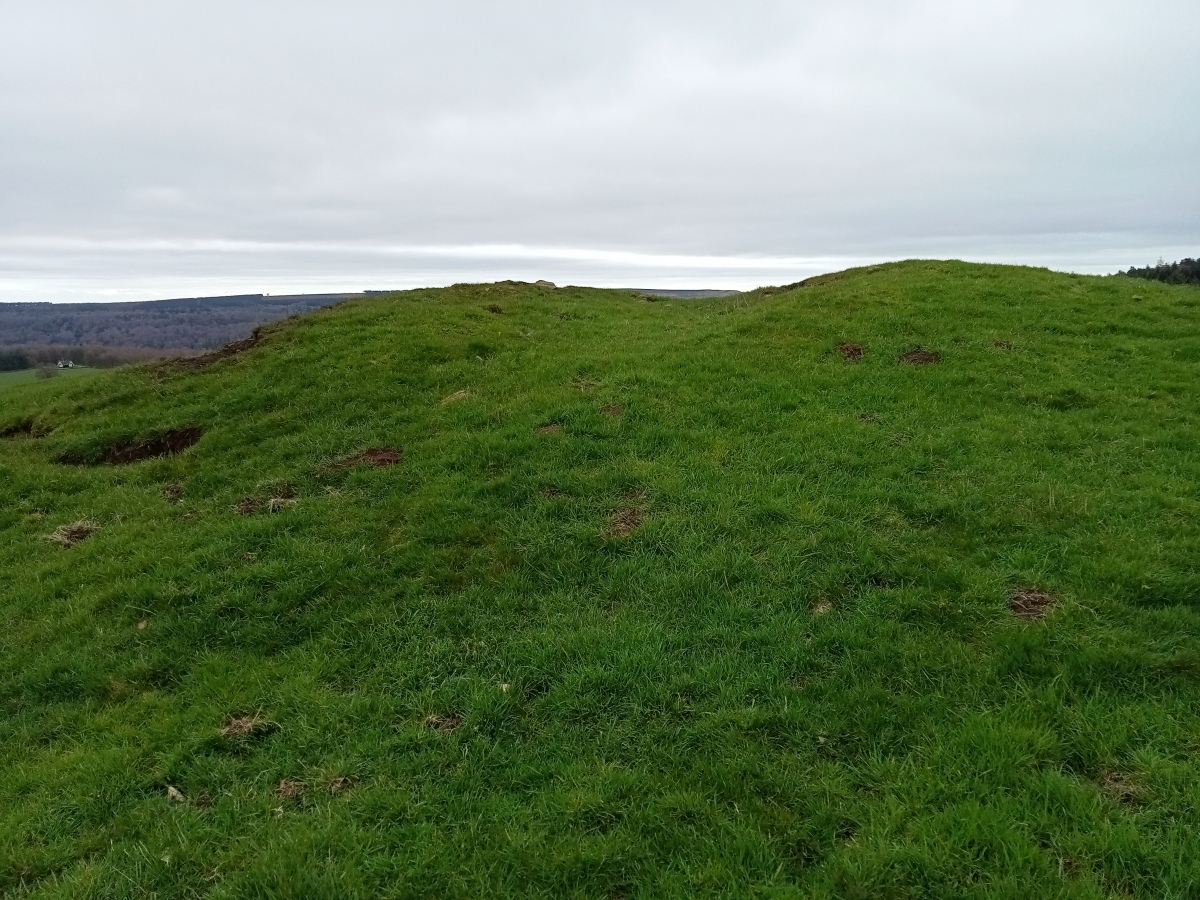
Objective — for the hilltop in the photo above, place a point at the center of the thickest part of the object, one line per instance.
(881, 584)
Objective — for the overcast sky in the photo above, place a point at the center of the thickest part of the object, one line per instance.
(152, 149)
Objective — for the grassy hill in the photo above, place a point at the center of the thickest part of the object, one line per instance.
(509, 591)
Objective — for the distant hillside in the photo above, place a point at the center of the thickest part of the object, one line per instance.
(189, 323)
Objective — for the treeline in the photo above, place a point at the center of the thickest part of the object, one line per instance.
(38, 356)
(1186, 271)
(196, 323)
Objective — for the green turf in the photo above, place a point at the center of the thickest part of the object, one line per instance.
(24, 376)
(799, 677)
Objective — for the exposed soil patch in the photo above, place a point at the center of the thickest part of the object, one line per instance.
(1031, 604)
(70, 535)
(868, 418)
(290, 789)
(822, 607)
(231, 349)
(1119, 787)
(613, 410)
(625, 522)
(340, 784)
(551, 493)
(443, 723)
(920, 357)
(379, 457)
(552, 428)
(584, 383)
(172, 492)
(851, 352)
(284, 497)
(24, 428)
(494, 309)
(122, 453)
(1002, 345)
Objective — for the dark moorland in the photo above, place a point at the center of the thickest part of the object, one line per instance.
(879, 585)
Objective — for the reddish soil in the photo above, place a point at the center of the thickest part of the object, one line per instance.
(920, 357)
(379, 457)
(1030, 603)
(443, 723)
(122, 453)
(851, 352)
(232, 349)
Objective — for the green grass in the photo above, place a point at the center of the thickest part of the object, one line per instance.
(799, 677)
(24, 376)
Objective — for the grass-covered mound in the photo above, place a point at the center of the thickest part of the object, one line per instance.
(506, 590)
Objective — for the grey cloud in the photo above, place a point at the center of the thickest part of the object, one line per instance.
(157, 149)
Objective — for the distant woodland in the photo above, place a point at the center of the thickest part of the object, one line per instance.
(1186, 271)
(108, 334)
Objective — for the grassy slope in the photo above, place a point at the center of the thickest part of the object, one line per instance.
(23, 376)
(678, 719)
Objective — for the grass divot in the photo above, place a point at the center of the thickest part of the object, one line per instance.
(920, 357)
(625, 522)
(123, 453)
(67, 536)
(1031, 604)
(379, 457)
(851, 352)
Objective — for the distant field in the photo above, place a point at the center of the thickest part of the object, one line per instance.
(9, 379)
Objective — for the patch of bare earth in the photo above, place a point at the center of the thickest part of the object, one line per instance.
(290, 789)
(822, 607)
(282, 498)
(122, 453)
(172, 493)
(339, 784)
(24, 428)
(550, 492)
(494, 309)
(625, 522)
(613, 410)
(920, 357)
(868, 418)
(244, 727)
(231, 349)
(69, 535)
(379, 457)
(1120, 787)
(584, 383)
(552, 428)
(443, 723)
(851, 352)
(1031, 604)
(1002, 345)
